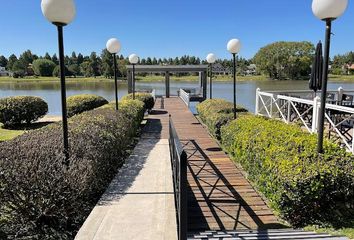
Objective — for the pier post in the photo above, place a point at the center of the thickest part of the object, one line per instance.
(167, 82)
(340, 94)
(205, 84)
(257, 101)
(315, 114)
(129, 79)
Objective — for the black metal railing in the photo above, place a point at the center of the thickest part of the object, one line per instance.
(179, 170)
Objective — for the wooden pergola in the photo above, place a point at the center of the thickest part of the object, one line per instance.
(166, 70)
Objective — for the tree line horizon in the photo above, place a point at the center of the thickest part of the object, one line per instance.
(278, 60)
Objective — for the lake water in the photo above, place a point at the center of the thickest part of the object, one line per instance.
(50, 91)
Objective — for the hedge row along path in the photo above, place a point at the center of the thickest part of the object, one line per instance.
(220, 197)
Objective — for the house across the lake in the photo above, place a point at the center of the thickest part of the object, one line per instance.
(4, 72)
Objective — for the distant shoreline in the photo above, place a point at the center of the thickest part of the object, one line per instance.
(217, 78)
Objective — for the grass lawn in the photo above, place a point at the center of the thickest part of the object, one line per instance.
(348, 232)
(152, 78)
(349, 78)
(6, 134)
(49, 79)
(195, 78)
(148, 78)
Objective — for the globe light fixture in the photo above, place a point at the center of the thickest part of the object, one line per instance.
(326, 10)
(61, 13)
(234, 47)
(113, 46)
(133, 59)
(329, 9)
(211, 58)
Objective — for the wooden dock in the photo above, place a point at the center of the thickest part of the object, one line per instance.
(219, 196)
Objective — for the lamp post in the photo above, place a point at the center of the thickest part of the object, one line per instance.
(133, 59)
(234, 46)
(211, 58)
(113, 46)
(61, 13)
(327, 11)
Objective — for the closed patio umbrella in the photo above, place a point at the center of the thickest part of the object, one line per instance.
(317, 68)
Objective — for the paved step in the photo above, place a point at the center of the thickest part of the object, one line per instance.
(262, 235)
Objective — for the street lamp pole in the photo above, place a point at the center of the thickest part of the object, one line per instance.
(234, 76)
(133, 59)
(211, 81)
(211, 58)
(63, 93)
(61, 13)
(113, 46)
(133, 81)
(115, 79)
(328, 11)
(234, 46)
(324, 86)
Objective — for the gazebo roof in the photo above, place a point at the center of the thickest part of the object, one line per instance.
(168, 68)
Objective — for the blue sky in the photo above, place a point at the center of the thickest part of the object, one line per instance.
(170, 28)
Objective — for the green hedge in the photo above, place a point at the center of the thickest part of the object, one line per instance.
(130, 108)
(84, 102)
(40, 198)
(21, 109)
(282, 161)
(146, 98)
(217, 112)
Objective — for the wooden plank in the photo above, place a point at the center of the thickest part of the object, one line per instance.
(219, 195)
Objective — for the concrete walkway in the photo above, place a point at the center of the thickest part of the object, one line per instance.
(139, 203)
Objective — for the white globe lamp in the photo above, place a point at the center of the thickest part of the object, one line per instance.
(113, 46)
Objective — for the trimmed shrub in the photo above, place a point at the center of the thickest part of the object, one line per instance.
(146, 98)
(43, 67)
(216, 113)
(131, 108)
(84, 102)
(283, 163)
(21, 109)
(42, 199)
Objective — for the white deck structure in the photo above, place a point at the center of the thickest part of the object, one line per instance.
(304, 107)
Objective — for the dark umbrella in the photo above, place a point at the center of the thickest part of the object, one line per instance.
(317, 68)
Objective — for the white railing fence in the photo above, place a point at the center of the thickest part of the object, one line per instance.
(184, 96)
(290, 107)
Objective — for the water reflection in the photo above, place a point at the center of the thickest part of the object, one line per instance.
(50, 91)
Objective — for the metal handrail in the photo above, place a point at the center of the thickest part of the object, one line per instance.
(179, 170)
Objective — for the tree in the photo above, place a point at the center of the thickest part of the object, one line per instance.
(47, 56)
(55, 59)
(73, 58)
(122, 69)
(154, 61)
(43, 67)
(95, 63)
(10, 63)
(80, 58)
(107, 64)
(18, 69)
(26, 58)
(67, 60)
(3, 61)
(286, 60)
(85, 68)
(74, 70)
(56, 71)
